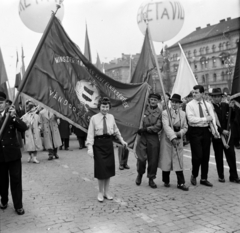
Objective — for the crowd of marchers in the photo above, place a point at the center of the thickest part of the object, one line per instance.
(168, 124)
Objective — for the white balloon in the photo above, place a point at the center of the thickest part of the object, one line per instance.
(165, 18)
(35, 14)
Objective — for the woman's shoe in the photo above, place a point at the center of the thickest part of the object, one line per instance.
(30, 159)
(100, 197)
(35, 160)
(108, 197)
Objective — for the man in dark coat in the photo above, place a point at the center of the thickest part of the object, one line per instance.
(10, 157)
(148, 145)
(222, 113)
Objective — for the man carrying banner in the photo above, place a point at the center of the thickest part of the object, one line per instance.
(148, 145)
(222, 144)
(200, 115)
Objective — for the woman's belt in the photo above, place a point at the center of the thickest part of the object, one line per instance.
(103, 136)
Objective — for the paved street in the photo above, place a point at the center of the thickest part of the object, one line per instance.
(60, 196)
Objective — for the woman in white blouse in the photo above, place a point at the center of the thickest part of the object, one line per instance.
(102, 129)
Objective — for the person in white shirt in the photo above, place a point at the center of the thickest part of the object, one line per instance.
(200, 117)
(101, 130)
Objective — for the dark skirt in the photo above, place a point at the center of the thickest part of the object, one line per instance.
(104, 162)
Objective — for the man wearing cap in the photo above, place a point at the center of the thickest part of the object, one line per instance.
(219, 145)
(10, 157)
(171, 143)
(148, 144)
(200, 115)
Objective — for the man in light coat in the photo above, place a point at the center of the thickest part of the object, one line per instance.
(171, 143)
(51, 135)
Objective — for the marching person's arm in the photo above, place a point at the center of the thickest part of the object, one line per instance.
(166, 127)
(90, 138)
(211, 112)
(191, 116)
(184, 126)
(117, 133)
(17, 122)
(157, 126)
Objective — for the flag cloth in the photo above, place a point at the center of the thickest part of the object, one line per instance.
(99, 64)
(235, 92)
(185, 80)
(146, 62)
(130, 69)
(63, 80)
(3, 76)
(87, 49)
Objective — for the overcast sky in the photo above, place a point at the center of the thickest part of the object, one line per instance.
(112, 26)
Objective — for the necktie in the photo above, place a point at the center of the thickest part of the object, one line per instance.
(104, 125)
(200, 110)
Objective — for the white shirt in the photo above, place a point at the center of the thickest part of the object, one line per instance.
(193, 114)
(96, 128)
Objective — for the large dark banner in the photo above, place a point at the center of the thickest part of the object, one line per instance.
(63, 80)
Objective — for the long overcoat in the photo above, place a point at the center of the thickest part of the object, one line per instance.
(168, 159)
(33, 141)
(51, 135)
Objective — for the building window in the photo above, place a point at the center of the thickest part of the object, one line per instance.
(227, 45)
(237, 41)
(175, 67)
(220, 47)
(201, 51)
(196, 77)
(189, 53)
(223, 76)
(214, 77)
(214, 61)
(207, 50)
(214, 48)
(203, 79)
(195, 52)
(195, 65)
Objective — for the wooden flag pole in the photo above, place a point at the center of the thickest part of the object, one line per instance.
(30, 66)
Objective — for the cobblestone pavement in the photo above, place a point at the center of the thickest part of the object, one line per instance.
(60, 196)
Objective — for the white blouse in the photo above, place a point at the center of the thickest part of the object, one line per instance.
(96, 128)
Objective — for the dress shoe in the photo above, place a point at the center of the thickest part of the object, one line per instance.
(166, 185)
(221, 180)
(3, 207)
(60, 148)
(193, 181)
(139, 179)
(20, 211)
(206, 183)
(237, 180)
(182, 187)
(56, 156)
(108, 197)
(126, 166)
(152, 184)
(50, 158)
(121, 167)
(100, 197)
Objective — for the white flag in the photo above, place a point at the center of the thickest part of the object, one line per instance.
(185, 80)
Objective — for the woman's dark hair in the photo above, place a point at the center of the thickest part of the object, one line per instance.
(104, 101)
(199, 87)
(9, 102)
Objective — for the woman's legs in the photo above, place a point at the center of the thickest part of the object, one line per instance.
(30, 157)
(106, 189)
(35, 157)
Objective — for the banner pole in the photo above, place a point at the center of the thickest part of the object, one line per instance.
(30, 66)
